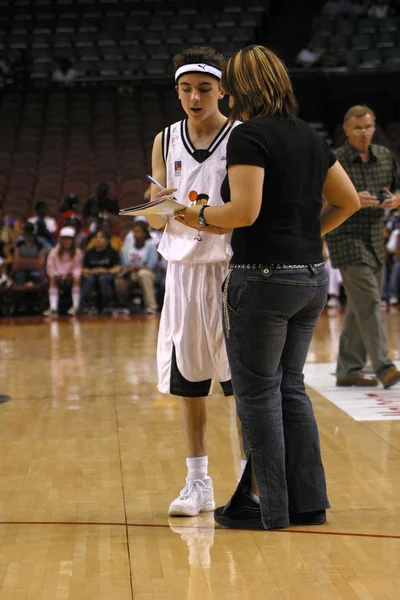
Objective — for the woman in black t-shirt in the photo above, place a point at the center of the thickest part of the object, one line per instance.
(278, 171)
(100, 265)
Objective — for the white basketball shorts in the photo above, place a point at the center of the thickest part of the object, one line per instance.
(191, 346)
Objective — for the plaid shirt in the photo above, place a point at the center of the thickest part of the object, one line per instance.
(359, 240)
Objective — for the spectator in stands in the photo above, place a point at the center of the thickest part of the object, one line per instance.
(116, 242)
(64, 269)
(45, 226)
(100, 266)
(309, 56)
(4, 258)
(393, 247)
(5, 250)
(75, 221)
(156, 234)
(10, 231)
(29, 248)
(139, 261)
(68, 209)
(4, 233)
(357, 248)
(379, 9)
(100, 206)
(65, 74)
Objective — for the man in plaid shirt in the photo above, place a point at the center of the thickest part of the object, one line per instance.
(357, 248)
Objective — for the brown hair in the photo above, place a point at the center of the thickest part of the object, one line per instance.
(105, 233)
(71, 251)
(259, 83)
(359, 110)
(201, 54)
(143, 226)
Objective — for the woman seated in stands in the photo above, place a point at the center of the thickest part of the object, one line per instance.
(139, 260)
(10, 232)
(105, 225)
(64, 269)
(100, 266)
(80, 237)
(29, 253)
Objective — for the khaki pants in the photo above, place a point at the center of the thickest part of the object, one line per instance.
(145, 279)
(363, 330)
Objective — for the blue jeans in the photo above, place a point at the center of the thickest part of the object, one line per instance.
(22, 277)
(105, 285)
(271, 320)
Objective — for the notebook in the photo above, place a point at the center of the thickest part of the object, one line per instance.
(162, 206)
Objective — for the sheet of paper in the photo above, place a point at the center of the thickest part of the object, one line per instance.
(162, 206)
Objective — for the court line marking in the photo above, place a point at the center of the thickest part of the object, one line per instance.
(128, 546)
(165, 526)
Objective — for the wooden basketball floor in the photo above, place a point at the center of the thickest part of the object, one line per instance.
(91, 456)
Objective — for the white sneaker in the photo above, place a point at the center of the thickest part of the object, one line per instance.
(50, 313)
(393, 301)
(72, 311)
(197, 496)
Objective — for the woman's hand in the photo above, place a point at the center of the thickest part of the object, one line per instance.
(189, 217)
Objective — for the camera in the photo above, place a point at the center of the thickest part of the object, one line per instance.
(382, 195)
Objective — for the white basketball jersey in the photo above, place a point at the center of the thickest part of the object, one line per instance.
(195, 174)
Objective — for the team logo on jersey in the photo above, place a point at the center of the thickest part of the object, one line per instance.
(198, 199)
(178, 168)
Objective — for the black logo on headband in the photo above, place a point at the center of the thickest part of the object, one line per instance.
(202, 67)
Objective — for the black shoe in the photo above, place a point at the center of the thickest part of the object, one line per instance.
(239, 513)
(317, 517)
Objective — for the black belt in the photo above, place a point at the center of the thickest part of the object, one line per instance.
(275, 267)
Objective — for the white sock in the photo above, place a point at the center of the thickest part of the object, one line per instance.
(255, 498)
(53, 298)
(76, 296)
(197, 467)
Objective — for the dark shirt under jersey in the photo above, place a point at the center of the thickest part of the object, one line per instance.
(295, 160)
(106, 259)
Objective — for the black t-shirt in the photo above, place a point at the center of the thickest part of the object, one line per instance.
(106, 259)
(296, 160)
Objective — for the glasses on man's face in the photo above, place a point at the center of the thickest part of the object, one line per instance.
(367, 129)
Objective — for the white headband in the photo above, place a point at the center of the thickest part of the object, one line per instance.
(198, 68)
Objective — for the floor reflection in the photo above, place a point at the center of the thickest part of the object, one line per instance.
(198, 534)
